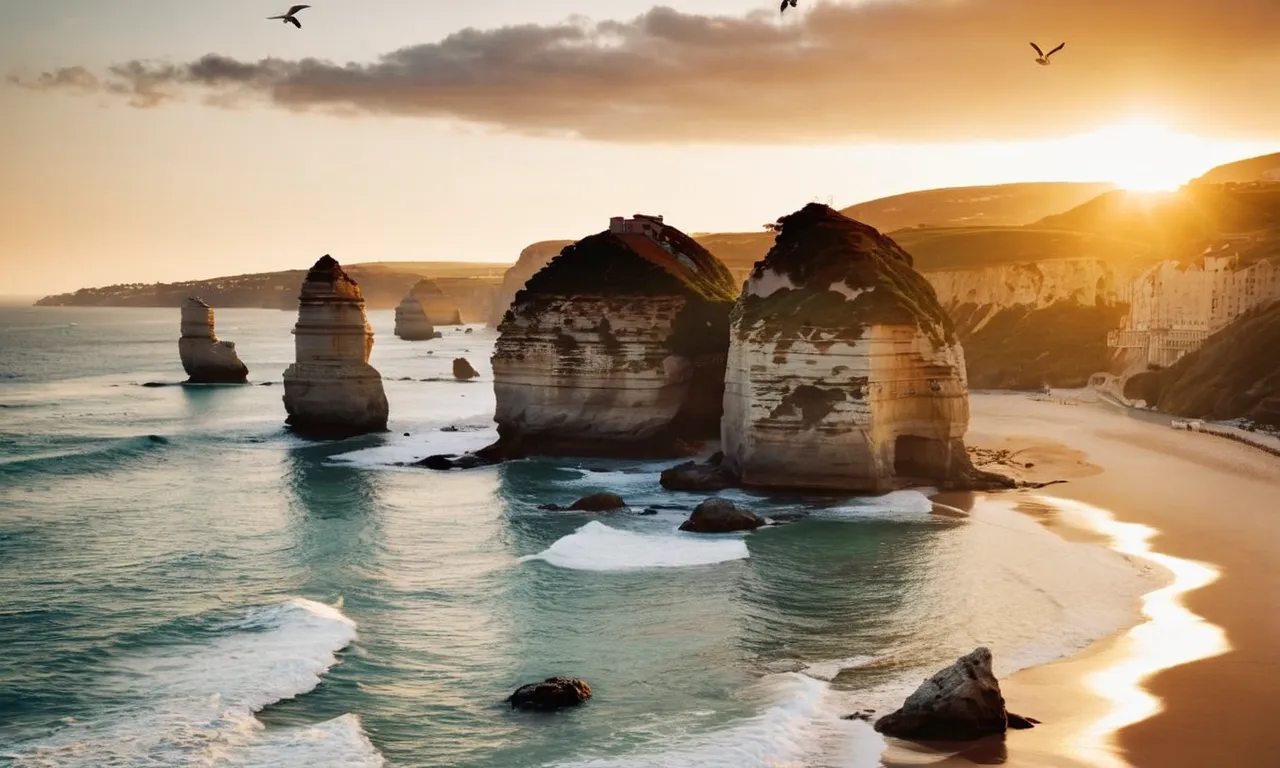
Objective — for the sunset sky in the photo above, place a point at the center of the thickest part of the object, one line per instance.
(147, 140)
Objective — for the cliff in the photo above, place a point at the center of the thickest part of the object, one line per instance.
(844, 372)
(331, 390)
(1236, 374)
(439, 308)
(532, 259)
(615, 348)
(206, 359)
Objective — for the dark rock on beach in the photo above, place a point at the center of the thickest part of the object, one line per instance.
(721, 516)
(960, 703)
(550, 694)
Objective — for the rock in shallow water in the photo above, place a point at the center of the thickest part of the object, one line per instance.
(596, 502)
(550, 694)
(960, 703)
(462, 369)
(206, 359)
(721, 516)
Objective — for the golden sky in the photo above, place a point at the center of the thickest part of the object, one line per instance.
(146, 140)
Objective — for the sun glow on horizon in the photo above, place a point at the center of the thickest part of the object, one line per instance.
(1144, 156)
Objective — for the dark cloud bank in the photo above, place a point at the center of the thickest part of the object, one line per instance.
(883, 69)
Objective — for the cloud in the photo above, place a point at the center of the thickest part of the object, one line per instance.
(878, 69)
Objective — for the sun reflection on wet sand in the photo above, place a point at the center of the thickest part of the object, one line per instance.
(1171, 635)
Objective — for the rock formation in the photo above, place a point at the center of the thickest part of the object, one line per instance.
(331, 390)
(439, 308)
(463, 370)
(721, 516)
(960, 703)
(412, 323)
(532, 259)
(596, 502)
(844, 371)
(615, 348)
(206, 359)
(552, 693)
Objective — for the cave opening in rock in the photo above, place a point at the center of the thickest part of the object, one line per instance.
(919, 457)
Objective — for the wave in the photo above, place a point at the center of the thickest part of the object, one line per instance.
(194, 703)
(462, 437)
(801, 728)
(597, 547)
(898, 506)
(103, 457)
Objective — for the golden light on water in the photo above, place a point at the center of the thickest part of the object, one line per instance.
(1170, 636)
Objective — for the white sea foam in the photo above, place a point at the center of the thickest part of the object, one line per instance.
(828, 670)
(908, 506)
(597, 547)
(800, 727)
(194, 704)
(428, 442)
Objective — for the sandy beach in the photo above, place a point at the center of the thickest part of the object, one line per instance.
(1204, 660)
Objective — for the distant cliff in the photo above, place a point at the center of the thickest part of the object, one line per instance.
(532, 259)
(1236, 374)
(1006, 205)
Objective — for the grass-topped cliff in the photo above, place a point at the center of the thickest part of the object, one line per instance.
(841, 275)
(1236, 374)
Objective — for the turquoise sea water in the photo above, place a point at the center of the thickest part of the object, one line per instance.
(183, 582)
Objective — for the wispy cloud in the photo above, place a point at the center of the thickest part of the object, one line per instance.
(910, 69)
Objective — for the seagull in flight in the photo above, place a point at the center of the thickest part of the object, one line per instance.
(785, 3)
(289, 17)
(1044, 57)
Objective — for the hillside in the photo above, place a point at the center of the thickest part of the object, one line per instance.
(1236, 374)
(937, 249)
(1002, 205)
(1241, 171)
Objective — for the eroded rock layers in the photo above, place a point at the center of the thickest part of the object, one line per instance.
(331, 390)
(844, 372)
(615, 348)
(206, 359)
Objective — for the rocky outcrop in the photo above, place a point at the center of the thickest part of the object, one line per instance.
(463, 370)
(550, 694)
(596, 502)
(532, 259)
(960, 703)
(844, 372)
(206, 359)
(721, 516)
(331, 390)
(616, 348)
(438, 307)
(412, 323)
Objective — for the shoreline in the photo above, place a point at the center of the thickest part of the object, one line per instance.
(1195, 505)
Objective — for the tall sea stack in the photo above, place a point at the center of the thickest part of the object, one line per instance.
(331, 390)
(615, 348)
(206, 359)
(844, 372)
(412, 323)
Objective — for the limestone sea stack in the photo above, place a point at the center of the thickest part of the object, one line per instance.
(438, 307)
(412, 323)
(844, 372)
(615, 348)
(206, 359)
(331, 390)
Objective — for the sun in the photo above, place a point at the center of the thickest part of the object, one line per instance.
(1141, 156)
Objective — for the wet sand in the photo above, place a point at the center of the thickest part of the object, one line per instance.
(1193, 684)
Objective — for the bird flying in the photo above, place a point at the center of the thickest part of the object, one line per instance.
(1043, 59)
(289, 17)
(785, 3)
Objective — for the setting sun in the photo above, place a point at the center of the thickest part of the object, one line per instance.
(1143, 156)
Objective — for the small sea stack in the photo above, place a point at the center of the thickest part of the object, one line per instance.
(412, 323)
(331, 391)
(844, 371)
(463, 370)
(206, 359)
(615, 348)
(435, 303)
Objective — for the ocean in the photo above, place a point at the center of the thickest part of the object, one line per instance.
(184, 582)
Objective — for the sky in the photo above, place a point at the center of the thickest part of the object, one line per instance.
(151, 140)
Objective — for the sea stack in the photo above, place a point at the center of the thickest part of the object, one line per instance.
(331, 390)
(615, 348)
(438, 307)
(844, 372)
(412, 323)
(206, 359)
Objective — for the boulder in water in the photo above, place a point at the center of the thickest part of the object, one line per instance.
(550, 694)
(462, 369)
(596, 502)
(721, 516)
(961, 703)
